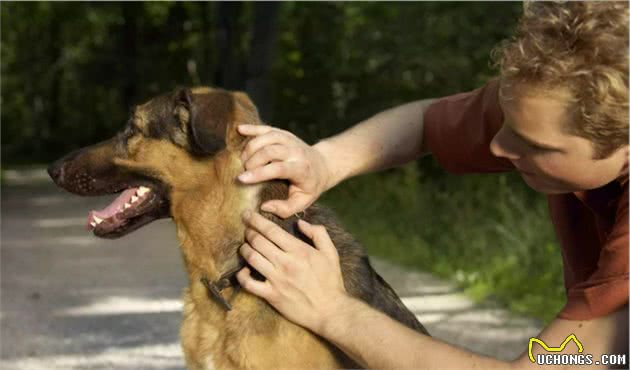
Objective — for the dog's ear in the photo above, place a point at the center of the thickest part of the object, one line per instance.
(205, 118)
(247, 114)
(209, 119)
(248, 106)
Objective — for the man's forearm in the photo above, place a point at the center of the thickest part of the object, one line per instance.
(376, 341)
(390, 138)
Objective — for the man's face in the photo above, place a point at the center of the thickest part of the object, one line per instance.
(550, 159)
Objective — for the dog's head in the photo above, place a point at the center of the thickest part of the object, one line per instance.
(167, 146)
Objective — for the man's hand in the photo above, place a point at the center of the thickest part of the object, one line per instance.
(277, 154)
(303, 283)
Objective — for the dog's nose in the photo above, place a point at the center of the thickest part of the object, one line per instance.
(55, 171)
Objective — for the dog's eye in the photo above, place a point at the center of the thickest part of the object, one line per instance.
(127, 133)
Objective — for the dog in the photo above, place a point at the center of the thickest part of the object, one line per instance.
(178, 156)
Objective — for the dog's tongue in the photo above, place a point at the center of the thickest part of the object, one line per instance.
(113, 208)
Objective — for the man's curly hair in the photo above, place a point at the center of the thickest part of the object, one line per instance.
(581, 46)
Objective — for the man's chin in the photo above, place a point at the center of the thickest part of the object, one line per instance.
(539, 184)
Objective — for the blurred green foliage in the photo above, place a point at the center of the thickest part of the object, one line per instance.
(71, 71)
(489, 233)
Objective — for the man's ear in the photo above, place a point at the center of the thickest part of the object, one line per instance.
(205, 118)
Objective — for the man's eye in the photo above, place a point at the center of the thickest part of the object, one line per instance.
(535, 147)
(530, 145)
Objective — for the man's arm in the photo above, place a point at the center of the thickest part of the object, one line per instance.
(306, 286)
(602, 335)
(377, 341)
(388, 139)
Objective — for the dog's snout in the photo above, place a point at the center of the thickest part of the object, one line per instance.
(56, 171)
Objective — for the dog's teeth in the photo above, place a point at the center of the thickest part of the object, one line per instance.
(143, 190)
(127, 205)
(97, 220)
(134, 198)
(93, 224)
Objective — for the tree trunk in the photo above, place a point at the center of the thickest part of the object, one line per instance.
(205, 74)
(229, 71)
(262, 47)
(129, 45)
(56, 44)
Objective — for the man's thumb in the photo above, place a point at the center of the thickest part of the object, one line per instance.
(286, 208)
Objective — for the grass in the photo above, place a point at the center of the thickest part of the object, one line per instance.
(489, 233)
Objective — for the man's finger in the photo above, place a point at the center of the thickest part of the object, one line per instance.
(257, 260)
(269, 138)
(262, 289)
(319, 236)
(271, 231)
(265, 247)
(296, 203)
(253, 130)
(273, 170)
(267, 154)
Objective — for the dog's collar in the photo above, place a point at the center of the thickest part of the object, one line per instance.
(227, 279)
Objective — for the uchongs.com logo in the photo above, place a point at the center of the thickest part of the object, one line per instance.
(554, 357)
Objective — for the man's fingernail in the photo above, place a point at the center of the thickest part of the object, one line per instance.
(267, 208)
(247, 214)
(245, 176)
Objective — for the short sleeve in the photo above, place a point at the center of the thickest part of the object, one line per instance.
(458, 130)
(606, 289)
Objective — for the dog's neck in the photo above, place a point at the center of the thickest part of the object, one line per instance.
(209, 224)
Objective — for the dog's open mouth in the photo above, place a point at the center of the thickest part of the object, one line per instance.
(133, 208)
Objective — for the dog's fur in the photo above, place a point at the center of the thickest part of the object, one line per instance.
(185, 147)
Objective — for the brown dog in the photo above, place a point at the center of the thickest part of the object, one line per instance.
(178, 156)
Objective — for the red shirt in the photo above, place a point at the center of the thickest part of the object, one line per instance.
(592, 226)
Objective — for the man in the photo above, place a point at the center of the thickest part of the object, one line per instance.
(558, 114)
